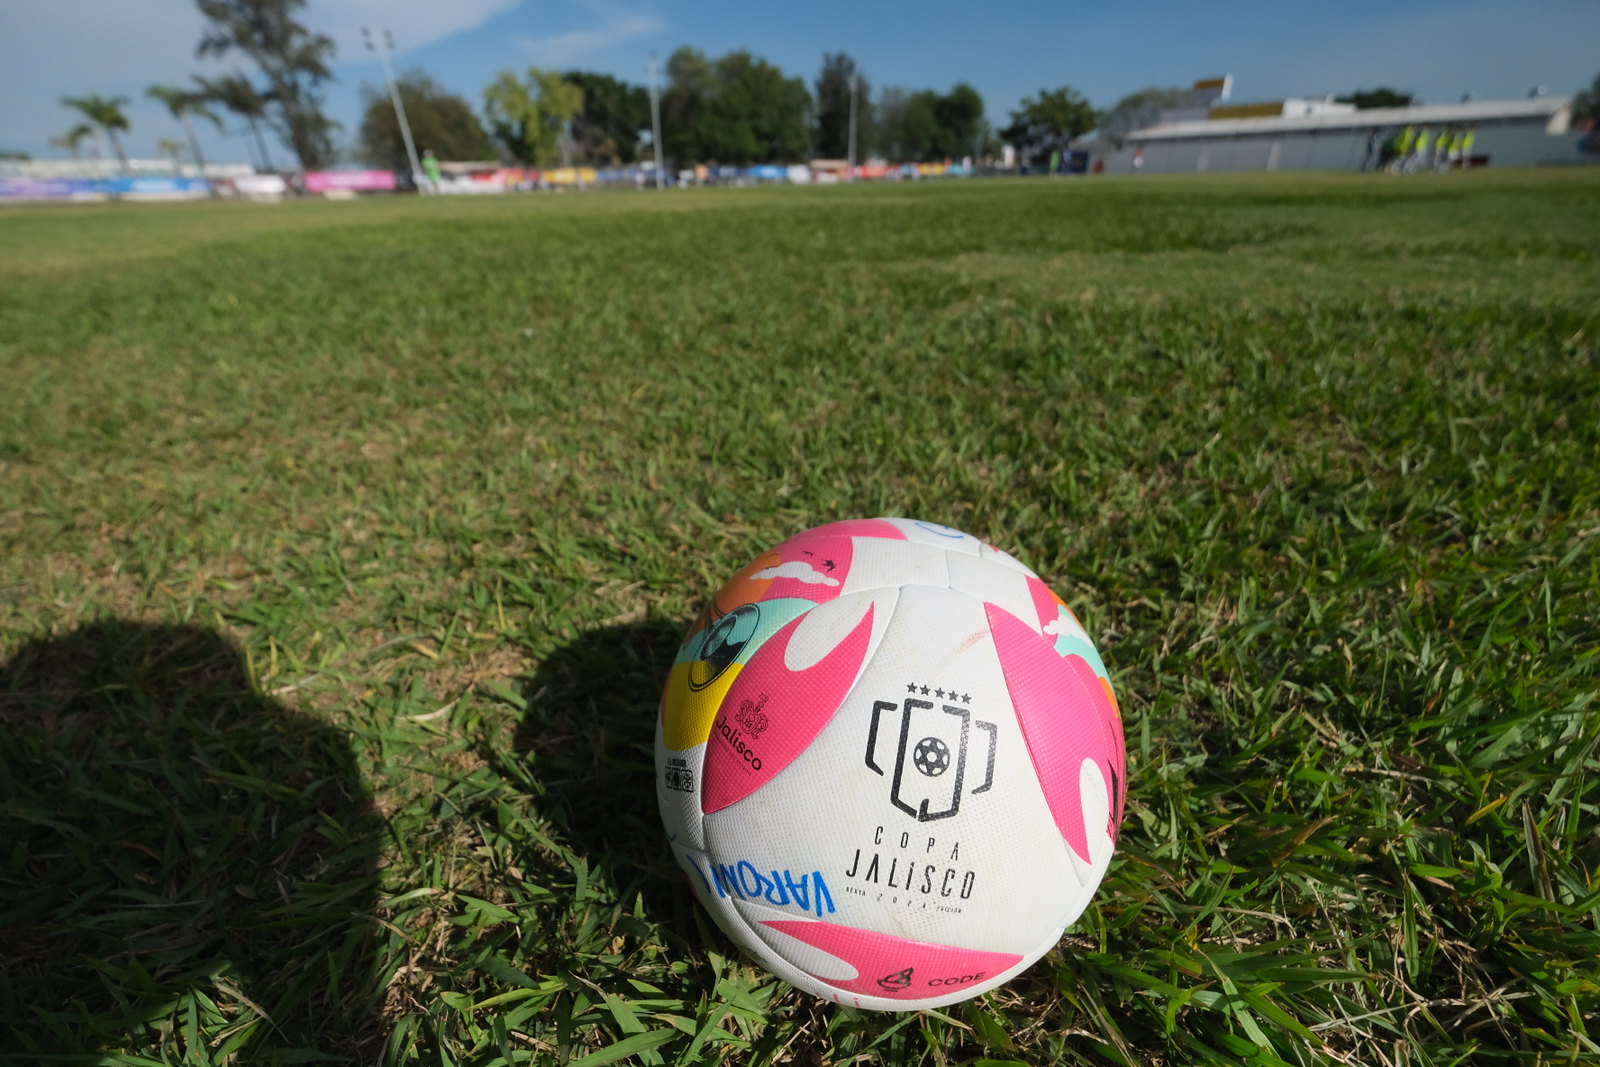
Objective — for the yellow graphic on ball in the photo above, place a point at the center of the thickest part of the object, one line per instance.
(689, 711)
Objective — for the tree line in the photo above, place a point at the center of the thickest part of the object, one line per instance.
(737, 108)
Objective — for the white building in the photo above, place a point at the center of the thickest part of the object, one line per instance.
(1322, 135)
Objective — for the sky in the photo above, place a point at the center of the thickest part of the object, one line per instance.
(1494, 49)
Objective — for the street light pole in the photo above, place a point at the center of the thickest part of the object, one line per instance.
(855, 90)
(655, 123)
(394, 98)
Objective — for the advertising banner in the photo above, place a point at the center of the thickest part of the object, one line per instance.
(260, 185)
(48, 189)
(101, 188)
(157, 188)
(355, 181)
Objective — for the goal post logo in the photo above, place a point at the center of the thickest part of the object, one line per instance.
(931, 756)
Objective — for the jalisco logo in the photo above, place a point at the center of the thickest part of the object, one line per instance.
(751, 717)
(938, 754)
(737, 738)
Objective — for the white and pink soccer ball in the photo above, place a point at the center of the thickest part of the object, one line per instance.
(890, 760)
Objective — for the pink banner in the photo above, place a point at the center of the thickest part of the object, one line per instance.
(362, 181)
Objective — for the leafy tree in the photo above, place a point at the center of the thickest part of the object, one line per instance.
(1365, 99)
(293, 59)
(439, 119)
(906, 125)
(1586, 104)
(738, 109)
(962, 129)
(1138, 110)
(1047, 122)
(236, 93)
(833, 106)
(183, 103)
(106, 113)
(530, 116)
(606, 131)
(685, 103)
(925, 125)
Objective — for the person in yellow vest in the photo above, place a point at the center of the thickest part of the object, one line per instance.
(1441, 149)
(1467, 140)
(1419, 150)
(1402, 149)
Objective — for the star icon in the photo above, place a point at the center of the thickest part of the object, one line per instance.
(939, 693)
(952, 694)
(911, 687)
(965, 699)
(924, 690)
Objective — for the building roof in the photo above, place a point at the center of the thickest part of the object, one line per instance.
(1539, 107)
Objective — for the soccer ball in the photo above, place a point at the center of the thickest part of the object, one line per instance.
(890, 761)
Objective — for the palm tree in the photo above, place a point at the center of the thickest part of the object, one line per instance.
(106, 113)
(238, 95)
(182, 103)
(168, 147)
(73, 138)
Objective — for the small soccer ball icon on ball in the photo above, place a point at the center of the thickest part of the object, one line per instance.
(931, 757)
(861, 829)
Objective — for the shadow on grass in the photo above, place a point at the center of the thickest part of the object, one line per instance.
(182, 861)
(590, 728)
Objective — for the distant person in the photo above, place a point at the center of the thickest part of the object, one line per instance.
(1402, 149)
(1369, 161)
(1138, 159)
(1419, 150)
(1467, 140)
(1442, 147)
(430, 167)
(1055, 163)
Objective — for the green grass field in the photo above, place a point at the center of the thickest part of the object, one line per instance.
(344, 548)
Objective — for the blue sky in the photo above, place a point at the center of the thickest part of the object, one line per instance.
(1439, 50)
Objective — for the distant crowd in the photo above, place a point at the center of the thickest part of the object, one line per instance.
(1414, 148)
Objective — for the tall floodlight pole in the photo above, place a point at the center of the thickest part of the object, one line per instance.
(394, 98)
(855, 90)
(655, 123)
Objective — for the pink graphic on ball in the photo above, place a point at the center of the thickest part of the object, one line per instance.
(1067, 716)
(888, 966)
(771, 713)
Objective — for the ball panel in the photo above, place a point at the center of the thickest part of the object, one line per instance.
(890, 966)
(1066, 718)
(993, 582)
(879, 564)
(775, 708)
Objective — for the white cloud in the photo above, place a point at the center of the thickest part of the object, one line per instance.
(797, 569)
(565, 49)
(414, 23)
